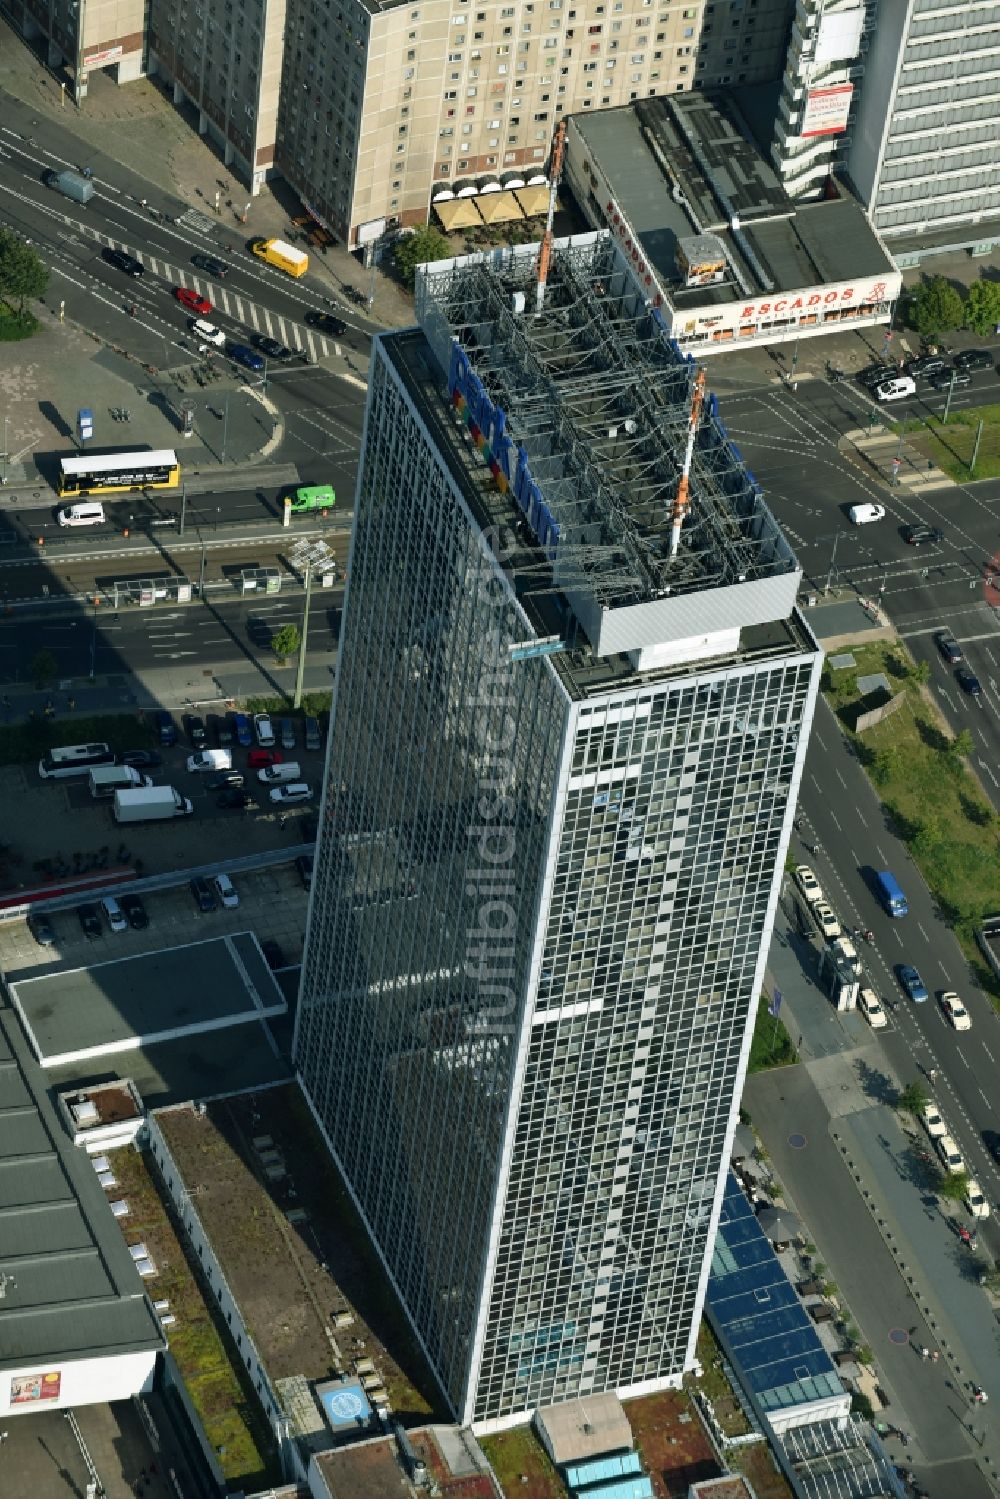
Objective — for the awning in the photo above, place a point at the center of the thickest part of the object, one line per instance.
(460, 213)
(442, 195)
(533, 200)
(489, 185)
(499, 208)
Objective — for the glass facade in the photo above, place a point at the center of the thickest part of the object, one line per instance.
(539, 912)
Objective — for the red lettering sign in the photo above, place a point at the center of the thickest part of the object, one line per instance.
(781, 303)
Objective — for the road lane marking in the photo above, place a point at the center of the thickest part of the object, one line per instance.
(840, 778)
(923, 933)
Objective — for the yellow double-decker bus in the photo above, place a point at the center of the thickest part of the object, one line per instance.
(104, 473)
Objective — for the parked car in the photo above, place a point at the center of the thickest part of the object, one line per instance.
(286, 733)
(949, 647)
(951, 1156)
(877, 374)
(969, 682)
(947, 379)
(114, 915)
(871, 1008)
(314, 736)
(165, 727)
(304, 865)
(226, 891)
(326, 323)
(912, 983)
(991, 1139)
(135, 912)
(273, 955)
(296, 791)
(933, 1123)
(41, 928)
(235, 799)
(225, 779)
(193, 300)
(210, 264)
(975, 1201)
(825, 919)
(210, 759)
(141, 759)
(260, 757)
(242, 730)
(264, 730)
(973, 359)
(196, 731)
(203, 893)
(920, 535)
(122, 261)
(955, 1011)
(221, 729)
(808, 884)
(90, 920)
(925, 365)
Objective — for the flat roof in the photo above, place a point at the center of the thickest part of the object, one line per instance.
(576, 1430)
(682, 166)
(73, 1291)
(80, 1014)
(759, 1317)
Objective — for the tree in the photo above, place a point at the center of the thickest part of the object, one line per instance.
(953, 1186)
(912, 1098)
(921, 673)
(982, 306)
(961, 746)
(418, 248)
(935, 307)
(22, 273)
(44, 669)
(286, 641)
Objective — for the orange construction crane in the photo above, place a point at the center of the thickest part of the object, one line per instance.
(545, 253)
(682, 499)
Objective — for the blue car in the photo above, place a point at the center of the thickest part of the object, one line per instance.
(241, 354)
(912, 983)
(241, 724)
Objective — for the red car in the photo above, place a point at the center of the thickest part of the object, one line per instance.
(198, 304)
(258, 758)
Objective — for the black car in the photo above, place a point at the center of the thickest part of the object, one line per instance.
(141, 759)
(925, 365)
(90, 920)
(122, 262)
(326, 322)
(919, 535)
(41, 929)
(992, 1142)
(974, 359)
(945, 379)
(226, 780)
(304, 865)
(876, 374)
(165, 727)
(969, 682)
(135, 912)
(221, 729)
(949, 647)
(210, 264)
(270, 347)
(273, 956)
(204, 895)
(196, 731)
(235, 799)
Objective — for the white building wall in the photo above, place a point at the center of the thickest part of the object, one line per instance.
(87, 1381)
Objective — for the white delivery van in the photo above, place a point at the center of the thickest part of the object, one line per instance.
(863, 515)
(211, 759)
(896, 390)
(273, 775)
(87, 513)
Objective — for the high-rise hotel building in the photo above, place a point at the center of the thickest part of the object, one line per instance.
(568, 730)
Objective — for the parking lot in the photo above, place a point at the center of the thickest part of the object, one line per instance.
(272, 904)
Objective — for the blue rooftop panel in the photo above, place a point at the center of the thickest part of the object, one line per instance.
(620, 1488)
(598, 1469)
(759, 1318)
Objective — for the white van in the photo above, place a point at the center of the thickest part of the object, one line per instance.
(273, 775)
(89, 513)
(863, 515)
(210, 759)
(896, 390)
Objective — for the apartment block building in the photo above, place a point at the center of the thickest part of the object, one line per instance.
(568, 731)
(82, 36)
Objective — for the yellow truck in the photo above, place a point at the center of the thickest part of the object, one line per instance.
(284, 256)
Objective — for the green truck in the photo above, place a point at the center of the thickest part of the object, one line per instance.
(314, 497)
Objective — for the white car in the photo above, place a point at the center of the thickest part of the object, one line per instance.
(207, 332)
(808, 884)
(975, 1201)
(950, 1155)
(825, 919)
(264, 730)
(933, 1123)
(298, 791)
(955, 1011)
(225, 891)
(213, 759)
(114, 915)
(871, 1008)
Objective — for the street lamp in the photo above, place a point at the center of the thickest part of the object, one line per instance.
(305, 556)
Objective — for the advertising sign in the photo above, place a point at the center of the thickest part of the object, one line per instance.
(100, 59)
(827, 110)
(26, 1389)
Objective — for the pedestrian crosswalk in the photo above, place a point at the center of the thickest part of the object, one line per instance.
(240, 308)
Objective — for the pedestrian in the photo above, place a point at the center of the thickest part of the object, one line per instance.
(282, 820)
(935, 1356)
(932, 1074)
